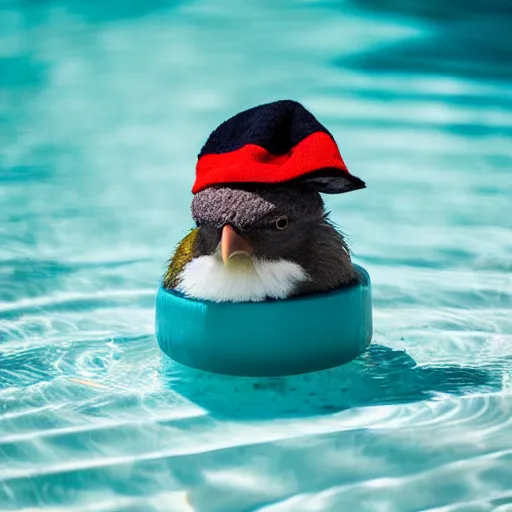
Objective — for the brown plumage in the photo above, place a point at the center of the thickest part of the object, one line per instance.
(183, 254)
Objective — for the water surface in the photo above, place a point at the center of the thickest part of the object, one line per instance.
(103, 109)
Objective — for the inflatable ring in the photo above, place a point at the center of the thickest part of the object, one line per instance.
(270, 338)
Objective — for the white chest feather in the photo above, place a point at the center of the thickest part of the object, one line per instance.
(250, 280)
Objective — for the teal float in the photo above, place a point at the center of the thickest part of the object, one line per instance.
(270, 338)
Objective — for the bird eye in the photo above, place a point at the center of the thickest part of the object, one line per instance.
(281, 223)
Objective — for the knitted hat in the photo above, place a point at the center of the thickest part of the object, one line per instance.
(274, 143)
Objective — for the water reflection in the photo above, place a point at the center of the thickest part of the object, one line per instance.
(463, 38)
(380, 376)
(103, 108)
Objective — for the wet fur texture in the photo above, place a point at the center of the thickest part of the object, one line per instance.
(310, 241)
(254, 207)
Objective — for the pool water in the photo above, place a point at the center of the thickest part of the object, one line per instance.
(103, 109)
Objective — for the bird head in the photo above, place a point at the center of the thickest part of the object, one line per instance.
(263, 223)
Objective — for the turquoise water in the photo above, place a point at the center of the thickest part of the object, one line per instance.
(103, 110)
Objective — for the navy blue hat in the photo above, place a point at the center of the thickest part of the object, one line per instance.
(273, 144)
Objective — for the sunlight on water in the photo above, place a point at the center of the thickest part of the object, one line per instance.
(104, 107)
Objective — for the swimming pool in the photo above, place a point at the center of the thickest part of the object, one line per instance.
(103, 112)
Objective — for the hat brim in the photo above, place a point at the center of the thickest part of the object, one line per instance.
(329, 181)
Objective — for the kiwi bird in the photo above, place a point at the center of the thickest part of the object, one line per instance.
(262, 231)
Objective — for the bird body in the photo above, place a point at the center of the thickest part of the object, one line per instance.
(257, 244)
(268, 239)
(243, 280)
(185, 252)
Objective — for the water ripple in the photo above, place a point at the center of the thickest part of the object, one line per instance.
(105, 109)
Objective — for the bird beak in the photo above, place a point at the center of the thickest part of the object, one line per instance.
(232, 244)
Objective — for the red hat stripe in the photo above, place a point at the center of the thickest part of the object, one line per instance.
(273, 144)
(254, 164)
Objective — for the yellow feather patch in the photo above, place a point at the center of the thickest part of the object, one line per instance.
(183, 254)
